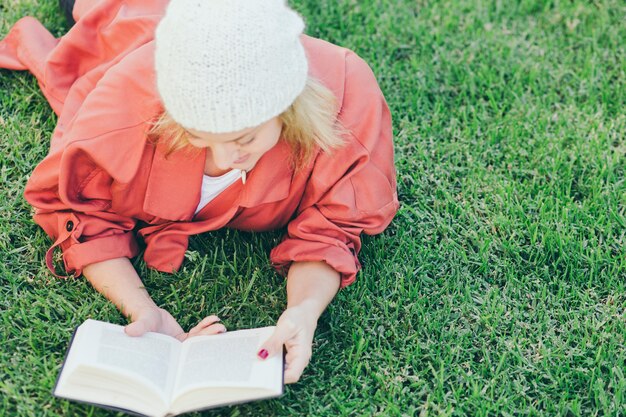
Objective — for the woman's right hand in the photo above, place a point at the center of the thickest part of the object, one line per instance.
(155, 319)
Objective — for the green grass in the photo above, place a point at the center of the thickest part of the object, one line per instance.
(500, 288)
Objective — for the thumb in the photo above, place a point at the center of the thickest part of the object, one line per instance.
(274, 344)
(136, 328)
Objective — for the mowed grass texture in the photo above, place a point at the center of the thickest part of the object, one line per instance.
(498, 290)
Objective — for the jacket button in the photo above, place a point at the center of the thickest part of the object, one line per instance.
(69, 226)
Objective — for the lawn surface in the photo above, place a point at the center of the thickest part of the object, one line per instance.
(498, 290)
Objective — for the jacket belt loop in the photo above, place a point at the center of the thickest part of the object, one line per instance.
(50, 254)
(67, 226)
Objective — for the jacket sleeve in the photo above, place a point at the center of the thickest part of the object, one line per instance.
(76, 215)
(95, 150)
(352, 189)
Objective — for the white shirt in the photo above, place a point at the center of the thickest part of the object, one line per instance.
(213, 186)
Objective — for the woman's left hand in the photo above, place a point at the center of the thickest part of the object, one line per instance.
(295, 330)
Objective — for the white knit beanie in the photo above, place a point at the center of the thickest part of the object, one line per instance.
(227, 65)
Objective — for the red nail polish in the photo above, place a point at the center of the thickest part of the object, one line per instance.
(263, 354)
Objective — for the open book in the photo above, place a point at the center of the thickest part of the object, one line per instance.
(157, 375)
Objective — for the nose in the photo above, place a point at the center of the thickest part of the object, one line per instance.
(224, 154)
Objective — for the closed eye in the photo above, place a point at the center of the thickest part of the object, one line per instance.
(249, 141)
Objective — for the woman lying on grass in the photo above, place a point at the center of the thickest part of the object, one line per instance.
(183, 117)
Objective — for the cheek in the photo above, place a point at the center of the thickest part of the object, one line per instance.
(264, 144)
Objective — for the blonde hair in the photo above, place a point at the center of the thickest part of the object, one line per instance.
(308, 124)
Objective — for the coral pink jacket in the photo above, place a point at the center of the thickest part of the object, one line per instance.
(103, 185)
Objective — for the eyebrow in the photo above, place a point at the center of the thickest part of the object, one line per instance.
(227, 141)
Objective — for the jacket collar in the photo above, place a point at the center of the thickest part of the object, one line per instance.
(270, 180)
(173, 190)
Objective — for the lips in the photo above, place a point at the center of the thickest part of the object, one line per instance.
(242, 159)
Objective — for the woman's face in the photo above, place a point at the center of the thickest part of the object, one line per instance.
(238, 150)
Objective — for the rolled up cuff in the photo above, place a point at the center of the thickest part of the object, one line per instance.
(79, 255)
(342, 258)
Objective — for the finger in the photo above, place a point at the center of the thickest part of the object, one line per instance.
(182, 336)
(208, 320)
(136, 328)
(296, 363)
(205, 322)
(210, 330)
(274, 344)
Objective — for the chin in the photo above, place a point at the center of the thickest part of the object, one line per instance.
(246, 166)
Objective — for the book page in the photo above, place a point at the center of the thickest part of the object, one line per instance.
(223, 360)
(107, 367)
(147, 357)
(151, 358)
(228, 360)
